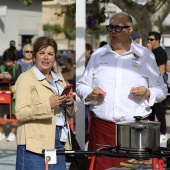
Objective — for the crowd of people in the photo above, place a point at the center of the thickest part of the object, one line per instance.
(116, 76)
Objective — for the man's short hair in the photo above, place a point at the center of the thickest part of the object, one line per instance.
(12, 43)
(157, 35)
(102, 43)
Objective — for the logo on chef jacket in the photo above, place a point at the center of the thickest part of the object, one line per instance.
(136, 57)
(103, 63)
(135, 64)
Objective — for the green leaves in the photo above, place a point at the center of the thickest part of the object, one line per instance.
(70, 11)
(97, 30)
(69, 32)
(52, 28)
(98, 12)
(26, 2)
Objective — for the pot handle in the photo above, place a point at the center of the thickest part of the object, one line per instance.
(137, 118)
(139, 129)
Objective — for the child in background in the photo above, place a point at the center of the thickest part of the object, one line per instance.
(8, 71)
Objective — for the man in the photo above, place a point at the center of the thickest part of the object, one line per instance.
(102, 43)
(121, 81)
(11, 49)
(161, 59)
(136, 37)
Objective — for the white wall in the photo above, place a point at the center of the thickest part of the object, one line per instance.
(18, 20)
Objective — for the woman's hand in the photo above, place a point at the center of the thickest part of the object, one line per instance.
(69, 100)
(56, 100)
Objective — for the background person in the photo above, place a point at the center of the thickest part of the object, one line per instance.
(102, 43)
(8, 71)
(19, 54)
(12, 48)
(118, 85)
(68, 72)
(42, 113)
(27, 61)
(161, 59)
(136, 37)
(88, 52)
(166, 102)
(168, 72)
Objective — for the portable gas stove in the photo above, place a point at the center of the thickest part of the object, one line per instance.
(110, 151)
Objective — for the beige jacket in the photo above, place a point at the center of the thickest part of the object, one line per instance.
(36, 120)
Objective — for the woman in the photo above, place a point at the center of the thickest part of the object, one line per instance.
(42, 113)
(26, 62)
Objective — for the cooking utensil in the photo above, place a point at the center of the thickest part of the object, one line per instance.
(138, 135)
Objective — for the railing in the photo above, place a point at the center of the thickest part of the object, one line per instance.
(6, 98)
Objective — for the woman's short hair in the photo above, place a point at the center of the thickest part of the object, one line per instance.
(27, 45)
(44, 42)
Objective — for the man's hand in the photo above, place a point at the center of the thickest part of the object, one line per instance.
(96, 94)
(140, 91)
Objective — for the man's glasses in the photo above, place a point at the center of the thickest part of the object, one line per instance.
(29, 52)
(151, 39)
(116, 28)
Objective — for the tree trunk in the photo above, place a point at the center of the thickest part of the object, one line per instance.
(149, 17)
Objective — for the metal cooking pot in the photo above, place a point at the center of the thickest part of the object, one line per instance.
(138, 135)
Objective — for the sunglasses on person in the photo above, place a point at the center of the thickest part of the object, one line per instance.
(116, 28)
(151, 39)
(29, 52)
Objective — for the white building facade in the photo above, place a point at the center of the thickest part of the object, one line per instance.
(19, 22)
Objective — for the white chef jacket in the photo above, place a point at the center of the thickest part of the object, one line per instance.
(116, 75)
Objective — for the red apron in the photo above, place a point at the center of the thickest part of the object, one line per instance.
(104, 133)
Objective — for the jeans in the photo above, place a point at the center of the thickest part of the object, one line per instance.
(27, 160)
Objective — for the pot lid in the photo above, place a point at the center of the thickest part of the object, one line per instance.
(138, 121)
